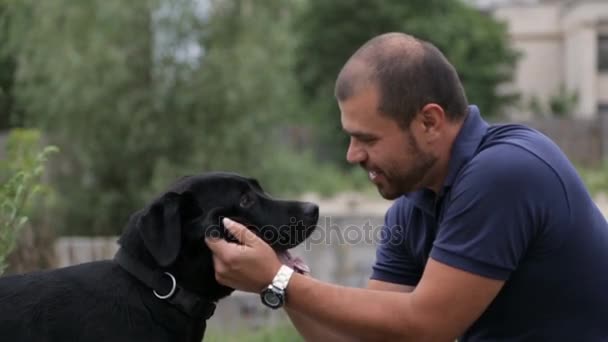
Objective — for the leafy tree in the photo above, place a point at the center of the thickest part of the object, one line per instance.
(91, 92)
(330, 31)
(138, 93)
(9, 116)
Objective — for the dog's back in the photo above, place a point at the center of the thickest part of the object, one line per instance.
(89, 302)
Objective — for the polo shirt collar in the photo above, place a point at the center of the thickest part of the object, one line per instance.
(465, 145)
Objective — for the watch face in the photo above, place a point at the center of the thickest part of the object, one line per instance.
(272, 299)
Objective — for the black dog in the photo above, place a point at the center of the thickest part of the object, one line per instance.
(161, 285)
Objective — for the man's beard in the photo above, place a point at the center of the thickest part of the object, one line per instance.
(400, 182)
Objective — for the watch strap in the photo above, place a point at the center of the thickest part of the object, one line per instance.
(281, 279)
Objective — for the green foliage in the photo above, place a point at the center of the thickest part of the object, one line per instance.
(131, 110)
(330, 31)
(8, 114)
(91, 93)
(536, 106)
(138, 93)
(280, 333)
(596, 179)
(300, 173)
(21, 182)
(561, 103)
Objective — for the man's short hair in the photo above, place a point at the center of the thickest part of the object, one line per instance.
(408, 73)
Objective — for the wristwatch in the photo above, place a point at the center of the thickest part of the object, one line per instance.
(274, 295)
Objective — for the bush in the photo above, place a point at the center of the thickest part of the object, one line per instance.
(596, 179)
(290, 174)
(286, 173)
(20, 175)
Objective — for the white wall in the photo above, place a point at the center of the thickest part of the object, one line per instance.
(531, 20)
(540, 73)
(534, 31)
(559, 46)
(581, 68)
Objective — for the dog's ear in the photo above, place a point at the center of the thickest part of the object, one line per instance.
(161, 228)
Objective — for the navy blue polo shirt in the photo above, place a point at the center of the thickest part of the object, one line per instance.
(512, 208)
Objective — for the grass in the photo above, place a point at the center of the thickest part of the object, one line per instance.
(280, 333)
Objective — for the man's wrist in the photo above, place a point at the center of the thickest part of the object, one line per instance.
(282, 277)
(274, 294)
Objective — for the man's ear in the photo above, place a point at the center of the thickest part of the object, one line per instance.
(432, 119)
(161, 228)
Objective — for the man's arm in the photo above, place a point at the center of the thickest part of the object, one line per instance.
(386, 286)
(314, 330)
(488, 225)
(443, 305)
(446, 301)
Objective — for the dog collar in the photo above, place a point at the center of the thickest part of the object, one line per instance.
(187, 302)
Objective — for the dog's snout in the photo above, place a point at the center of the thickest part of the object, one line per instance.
(310, 209)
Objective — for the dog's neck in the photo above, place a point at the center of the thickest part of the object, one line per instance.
(165, 288)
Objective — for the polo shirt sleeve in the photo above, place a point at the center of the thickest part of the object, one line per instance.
(495, 210)
(394, 261)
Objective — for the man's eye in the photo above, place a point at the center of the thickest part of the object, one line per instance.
(246, 201)
(367, 140)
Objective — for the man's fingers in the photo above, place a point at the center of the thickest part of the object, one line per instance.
(218, 246)
(240, 232)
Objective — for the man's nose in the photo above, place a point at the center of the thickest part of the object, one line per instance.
(355, 154)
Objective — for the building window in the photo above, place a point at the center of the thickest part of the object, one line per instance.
(602, 53)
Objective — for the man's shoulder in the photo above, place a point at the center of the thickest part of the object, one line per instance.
(517, 162)
(515, 150)
(518, 135)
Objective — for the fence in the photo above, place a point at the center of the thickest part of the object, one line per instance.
(584, 141)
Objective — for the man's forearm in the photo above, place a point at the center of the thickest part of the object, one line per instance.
(312, 330)
(368, 314)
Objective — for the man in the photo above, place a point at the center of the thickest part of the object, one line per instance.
(492, 237)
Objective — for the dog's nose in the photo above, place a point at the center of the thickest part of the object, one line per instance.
(310, 209)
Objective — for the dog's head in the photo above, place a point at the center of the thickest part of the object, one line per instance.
(169, 233)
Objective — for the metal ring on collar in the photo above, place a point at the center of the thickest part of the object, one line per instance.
(168, 295)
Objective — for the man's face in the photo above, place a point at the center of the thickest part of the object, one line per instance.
(391, 155)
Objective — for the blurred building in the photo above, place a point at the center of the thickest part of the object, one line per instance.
(563, 43)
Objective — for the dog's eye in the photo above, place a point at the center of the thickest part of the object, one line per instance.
(246, 201)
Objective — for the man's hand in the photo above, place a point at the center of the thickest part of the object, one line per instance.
(250, 266)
